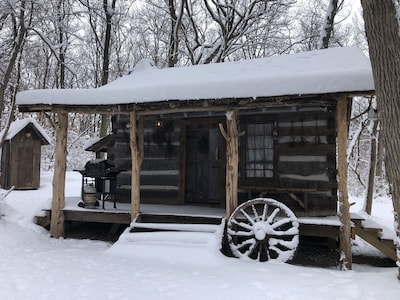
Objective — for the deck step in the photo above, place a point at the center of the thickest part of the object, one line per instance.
(176, 227)
(355, 217)
(163, 222)
(157, 229)
(369, 225)
(373, 233)
(386, 237)
(177, 219)
(171, 237)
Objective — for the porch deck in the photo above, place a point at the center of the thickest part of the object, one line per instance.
(309, 226)
(121, 214)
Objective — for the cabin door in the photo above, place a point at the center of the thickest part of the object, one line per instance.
(205, 173)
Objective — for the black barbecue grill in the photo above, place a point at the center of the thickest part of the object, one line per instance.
(99, 182)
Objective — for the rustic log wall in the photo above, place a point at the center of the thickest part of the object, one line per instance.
(160, 167)
(304, 153)
(305, 158)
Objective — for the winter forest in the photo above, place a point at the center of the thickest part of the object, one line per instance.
(86, 44)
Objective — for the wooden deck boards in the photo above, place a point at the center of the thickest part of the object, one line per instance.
(310, 226)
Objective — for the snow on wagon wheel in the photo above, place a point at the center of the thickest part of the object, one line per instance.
(263, 229)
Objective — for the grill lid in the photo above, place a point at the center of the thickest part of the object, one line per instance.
(100, 168)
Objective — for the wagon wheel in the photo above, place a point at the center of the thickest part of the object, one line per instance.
(263, 229)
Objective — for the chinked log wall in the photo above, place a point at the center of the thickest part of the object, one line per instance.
(160, 167)
(305, 155)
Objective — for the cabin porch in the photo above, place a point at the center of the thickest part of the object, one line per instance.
(327, 227)
(108, 223)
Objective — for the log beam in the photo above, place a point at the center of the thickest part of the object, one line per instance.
(58, 200)
(232, 161)
(344, 206)
(372, 167)
(136, 146)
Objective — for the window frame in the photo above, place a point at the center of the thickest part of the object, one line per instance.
(255, 181)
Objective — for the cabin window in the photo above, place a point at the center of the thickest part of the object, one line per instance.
(259, 154)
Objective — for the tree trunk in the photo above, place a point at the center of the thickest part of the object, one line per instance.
(61, 50)
(382, 29)
(109, 12)
(176, 21)
(344, 206)
(327, 30)
(19, 41)
(60, 164)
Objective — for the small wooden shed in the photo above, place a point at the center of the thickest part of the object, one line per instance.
(21, 154)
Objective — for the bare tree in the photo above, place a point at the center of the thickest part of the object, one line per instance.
(237, 22)
(382, 26)
(176, 15)
(109, 10)
(151, 39)
(202, 32)
(106, 21)
(320, 20)
(18, 15)
(327, 30)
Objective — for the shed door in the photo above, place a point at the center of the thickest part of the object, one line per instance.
(205, 173)
(28, 169)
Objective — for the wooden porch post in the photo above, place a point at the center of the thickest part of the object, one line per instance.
(372, 167)
(344, 206)
(232, 162)
(58, 201)
(137, 156)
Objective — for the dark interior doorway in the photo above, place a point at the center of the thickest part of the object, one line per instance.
(205, 172)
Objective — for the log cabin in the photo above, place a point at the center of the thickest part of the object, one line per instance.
(222, 134)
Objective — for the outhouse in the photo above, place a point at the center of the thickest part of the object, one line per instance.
(21, 153)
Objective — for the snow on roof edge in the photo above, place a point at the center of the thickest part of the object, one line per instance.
(331, 70)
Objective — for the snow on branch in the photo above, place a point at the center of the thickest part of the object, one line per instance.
(51, 47)
(229, 115)
(327, 27)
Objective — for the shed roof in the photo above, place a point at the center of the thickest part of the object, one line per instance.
(325, 71)
(17, 126)
(98, 144)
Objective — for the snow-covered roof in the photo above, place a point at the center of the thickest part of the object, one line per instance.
(19, 125)
(316, 72)
(97, 144)
(90, 142)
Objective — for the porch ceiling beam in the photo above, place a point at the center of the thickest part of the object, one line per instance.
(198, 105)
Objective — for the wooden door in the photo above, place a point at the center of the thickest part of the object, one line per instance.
(28, 167)
(205, 173)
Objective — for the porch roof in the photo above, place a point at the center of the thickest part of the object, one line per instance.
(335, 70)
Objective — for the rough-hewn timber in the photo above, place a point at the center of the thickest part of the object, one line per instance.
(344, 206)
(58, 201)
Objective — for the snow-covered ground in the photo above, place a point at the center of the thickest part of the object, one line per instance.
(35, 266)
